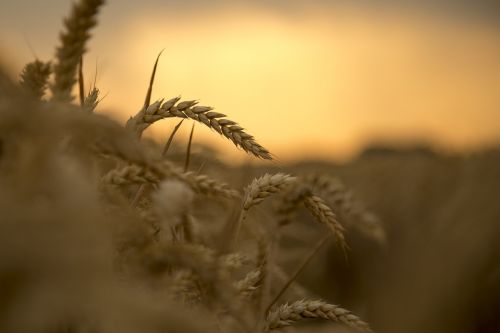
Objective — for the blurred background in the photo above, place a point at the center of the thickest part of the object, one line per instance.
(309, 79)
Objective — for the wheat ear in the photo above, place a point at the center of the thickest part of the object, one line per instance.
(34, 78)
(135, 174)
(287, 314)
(73, 40)
(184, 287)
(263, 265)
(316, 206)
(351, 210)
(256, 192)
(188, 149)
(91, 100)
(249, 284)
(203, 114)
(290, 202)
(320, 210)
(263, 187)
(234, 261)
(204, 263)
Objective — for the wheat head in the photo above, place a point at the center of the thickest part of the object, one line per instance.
(203, 114)
(73, 40)
(262, 187)
(320, 210)
(288, 314)
(34, 78)
(140, 174)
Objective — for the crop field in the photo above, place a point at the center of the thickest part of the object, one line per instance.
(104, 230)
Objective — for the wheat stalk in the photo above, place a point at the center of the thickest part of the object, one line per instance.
(288, 314)
(203, 114)
(81, 82)
(73, 40)
(295, 289)
(298, 271)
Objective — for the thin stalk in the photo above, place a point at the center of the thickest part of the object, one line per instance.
(202, 165)
(147, 100)
(299, 270)
(138, 195)
(237, 227)
(95, 77)
(81, 81)
(188, 151)
(170, 138)
(265, 288)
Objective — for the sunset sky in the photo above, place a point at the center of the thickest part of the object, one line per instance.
(318, 79)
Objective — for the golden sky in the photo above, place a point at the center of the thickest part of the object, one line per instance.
(319, 83)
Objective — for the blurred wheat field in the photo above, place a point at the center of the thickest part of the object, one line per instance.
(103, 230)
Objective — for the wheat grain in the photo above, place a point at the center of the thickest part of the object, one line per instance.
(288, 314)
